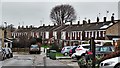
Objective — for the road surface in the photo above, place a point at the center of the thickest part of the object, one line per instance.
(32, 61)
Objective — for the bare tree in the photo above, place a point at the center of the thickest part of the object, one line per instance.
(61, 14)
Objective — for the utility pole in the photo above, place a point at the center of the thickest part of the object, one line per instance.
(92, 48)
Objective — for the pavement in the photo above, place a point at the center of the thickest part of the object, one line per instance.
(27, 60)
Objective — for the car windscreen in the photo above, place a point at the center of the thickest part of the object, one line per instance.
(86, 47)
(34, 46)
(105, 49)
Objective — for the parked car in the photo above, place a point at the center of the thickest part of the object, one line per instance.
(105, 50)
(81, 50)
(2, 54)
(111, 63)
(7, 53)
(72, 51)
(34, 49)
(100, 52)
(65, 50)
(11, 53)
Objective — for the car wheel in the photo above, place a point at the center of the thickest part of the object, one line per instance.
(11, 55)
(117, 66)
(30, 52)
(65, 54)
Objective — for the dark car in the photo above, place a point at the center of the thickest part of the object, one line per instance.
(34, 49)
(100, 52)
(72, 51)
(105, 50)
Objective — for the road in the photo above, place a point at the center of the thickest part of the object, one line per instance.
(33, 61)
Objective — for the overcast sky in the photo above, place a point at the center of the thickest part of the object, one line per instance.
(37, 13)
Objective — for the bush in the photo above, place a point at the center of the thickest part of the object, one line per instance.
(54, 47)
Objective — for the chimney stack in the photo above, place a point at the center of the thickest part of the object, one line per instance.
(30, 26)
(104, 19)
(43, 25)
(54, 24)
(112, 18)
(70, 22)
(98, 19)
(18, 27)
(78, 22)
(26, 27)
(89, 21)
(22, 27)
(84, 22)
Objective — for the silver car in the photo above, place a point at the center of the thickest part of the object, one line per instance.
(65, 50)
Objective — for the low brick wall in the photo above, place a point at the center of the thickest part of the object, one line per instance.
(20, 49)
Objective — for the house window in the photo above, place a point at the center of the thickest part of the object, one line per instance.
(63, 35)
(103, 33)
(12, 34)
(73, 34)
(78, 35)
(89, 34)
(85, 34)
(92, 34)
(68, 34)
(96, 34)
(99, 34)
(47, 35)
(55, 35)
(15, 34)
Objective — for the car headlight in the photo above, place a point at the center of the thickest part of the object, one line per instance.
(0, 50)
(108, 63)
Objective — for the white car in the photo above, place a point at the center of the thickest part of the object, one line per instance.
(111, 63)
(81, 50)
(65, 50)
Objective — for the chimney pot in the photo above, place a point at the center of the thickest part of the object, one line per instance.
(112, 19)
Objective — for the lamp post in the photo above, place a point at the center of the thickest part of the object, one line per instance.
(5, 32)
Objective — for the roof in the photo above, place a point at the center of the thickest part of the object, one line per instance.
(44, 28)
(89, 26)
(59, 28)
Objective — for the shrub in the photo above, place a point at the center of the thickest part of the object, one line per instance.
(54, 47)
